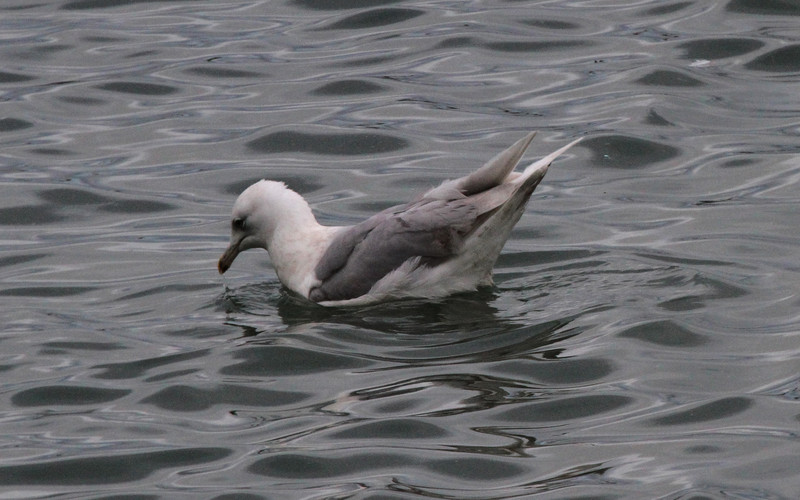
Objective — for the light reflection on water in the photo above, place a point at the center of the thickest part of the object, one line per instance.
(641, 338)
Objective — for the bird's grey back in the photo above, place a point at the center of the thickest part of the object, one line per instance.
(433, 227)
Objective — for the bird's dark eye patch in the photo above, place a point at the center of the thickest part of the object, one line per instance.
(238, 223)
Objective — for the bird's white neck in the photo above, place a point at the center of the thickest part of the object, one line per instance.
(296, 242)
(295, 251)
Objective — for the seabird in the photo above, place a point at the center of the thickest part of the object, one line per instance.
(443, 242)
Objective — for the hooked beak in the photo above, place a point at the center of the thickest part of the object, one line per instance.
(228, 257)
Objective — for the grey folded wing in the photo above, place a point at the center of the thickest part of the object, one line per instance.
(363, 254)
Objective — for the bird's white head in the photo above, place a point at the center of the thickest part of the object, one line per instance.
(258, 212)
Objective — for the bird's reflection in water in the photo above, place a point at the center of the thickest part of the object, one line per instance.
(468, 311)
(457, 329)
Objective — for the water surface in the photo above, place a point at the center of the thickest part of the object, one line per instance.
(641, 340)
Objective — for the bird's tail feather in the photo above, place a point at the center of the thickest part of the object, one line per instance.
(536, 170)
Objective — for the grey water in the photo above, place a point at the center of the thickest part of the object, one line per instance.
(642, 338)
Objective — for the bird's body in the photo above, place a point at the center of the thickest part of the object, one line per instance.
(446, 241)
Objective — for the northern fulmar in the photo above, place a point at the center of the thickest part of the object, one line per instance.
(443, 242)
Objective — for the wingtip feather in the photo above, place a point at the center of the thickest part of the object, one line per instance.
(542, 164)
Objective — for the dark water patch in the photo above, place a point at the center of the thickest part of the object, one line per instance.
(324, 144)
(13, 8)
(144, 54)
(686, 303)
(103, 39)
(81, 101)
(477, 469)
(682, 260)
(41, 51)
(45, 291)
(341, 4)
(665, 333)
(401, 428)
(667, 78)
(601, 497)
(138, 88)
(363, 62)
(718, 201)
(654, 118)
(128, 497)
(519, 46)
(561, 372)
(66, 345)
(718, 48)
(106, 469)
(458, 42)
(375, 18)
(136, 369)
(738, 162)
(204, 331)
(6, 77)
(551, 24)
(565, 408)
(348, 87)
(765, 7)
(185, 398)
(716, 410)
(15, 260)
(107, 4)
(218, 72)
(782, 60)
(521, 259)
(288, 361)
(52, 151)
(533, 47)
(67, 197)
(303, 466)
(13, 124)
(239, 496)
(72, 197)
(619, 151)
(171, 375)
(56, 395)
(78, 197)
(667, 9)
(702, 449)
